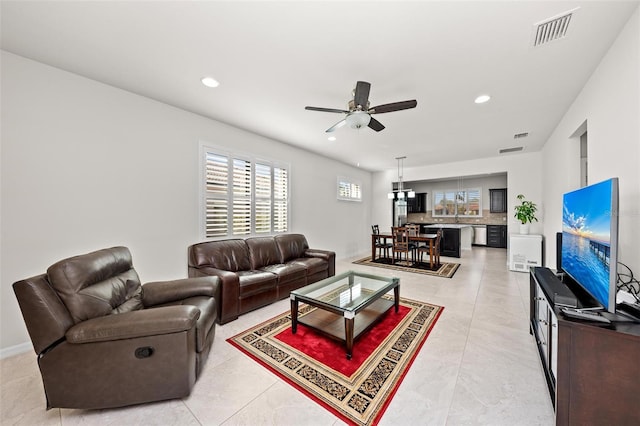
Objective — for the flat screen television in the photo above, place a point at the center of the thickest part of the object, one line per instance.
(590, 240)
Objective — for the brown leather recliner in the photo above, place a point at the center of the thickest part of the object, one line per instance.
(104, 340)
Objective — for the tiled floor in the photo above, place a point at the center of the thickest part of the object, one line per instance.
(479, 366)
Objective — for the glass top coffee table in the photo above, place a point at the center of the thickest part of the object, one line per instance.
(348, 305)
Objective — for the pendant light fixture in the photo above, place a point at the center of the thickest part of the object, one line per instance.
(399, 193)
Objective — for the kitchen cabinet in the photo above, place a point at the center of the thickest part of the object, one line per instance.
(498, 200)
(418, 204)
(497, 236)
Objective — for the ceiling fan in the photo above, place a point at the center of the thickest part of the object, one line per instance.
(359, 113)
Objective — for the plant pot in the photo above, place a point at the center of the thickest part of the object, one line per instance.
(524, 228)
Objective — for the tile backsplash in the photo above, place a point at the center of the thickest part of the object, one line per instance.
(486, 219)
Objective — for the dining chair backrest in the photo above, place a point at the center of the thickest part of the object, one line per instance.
(413, 230)
(375, 229)
(400, 238)
(437, 243)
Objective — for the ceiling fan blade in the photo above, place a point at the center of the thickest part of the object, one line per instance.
(395, 106)
(336, 126)
(375, 125)
(361, 95)
(310, 108)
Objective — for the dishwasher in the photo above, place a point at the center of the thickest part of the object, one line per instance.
(480, 235)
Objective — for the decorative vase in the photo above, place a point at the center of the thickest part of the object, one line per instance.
(524, 228)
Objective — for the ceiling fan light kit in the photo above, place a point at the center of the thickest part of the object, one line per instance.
(359, 114)
(358, 119)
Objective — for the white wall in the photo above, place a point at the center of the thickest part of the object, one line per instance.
(610, 105)
(87, 166)
(523, 177)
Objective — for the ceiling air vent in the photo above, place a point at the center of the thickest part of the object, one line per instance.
(507, 150)
(521, 135)
(551, 29)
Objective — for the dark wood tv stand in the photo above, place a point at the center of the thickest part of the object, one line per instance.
(592, 370)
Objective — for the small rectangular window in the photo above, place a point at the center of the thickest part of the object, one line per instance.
(348, 190)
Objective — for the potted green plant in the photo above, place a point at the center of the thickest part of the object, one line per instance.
(525, 213)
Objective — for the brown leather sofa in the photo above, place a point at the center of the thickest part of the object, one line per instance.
(258, 271)
(104, 340)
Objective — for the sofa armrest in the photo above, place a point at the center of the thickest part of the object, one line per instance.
(228, 300)
(134, 324)
(160, 292)
(327, 255)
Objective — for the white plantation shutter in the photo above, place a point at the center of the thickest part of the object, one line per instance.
(280, 199)
(349, 191)
(243, 197)
(216, 188)
(216, 212)
(263, 199)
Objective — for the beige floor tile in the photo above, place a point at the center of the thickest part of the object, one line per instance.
(478, 366)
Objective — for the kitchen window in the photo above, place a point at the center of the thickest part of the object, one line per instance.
(454, 202)
(242, 195)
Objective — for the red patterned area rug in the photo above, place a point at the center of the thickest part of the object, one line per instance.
(357, 390)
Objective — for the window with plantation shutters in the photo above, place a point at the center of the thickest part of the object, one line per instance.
(243, 196)
(348, 190)
(461, 202)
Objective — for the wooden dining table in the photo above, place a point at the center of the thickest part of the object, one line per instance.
(421, 238)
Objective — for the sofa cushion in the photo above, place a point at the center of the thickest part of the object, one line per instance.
(291, 271)
(228, 255)
(254, 282)
(97, 284)
(291, 246)
(263, 251)
(313, 265)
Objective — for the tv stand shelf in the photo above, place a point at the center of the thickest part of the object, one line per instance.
(592, 369)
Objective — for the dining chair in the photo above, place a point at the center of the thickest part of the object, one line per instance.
(414, 231)
(401, 244)
(433, 251)
(381, 244)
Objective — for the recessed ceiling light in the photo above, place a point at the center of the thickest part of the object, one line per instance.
(210, 82)
(482, 99)
(332, 138)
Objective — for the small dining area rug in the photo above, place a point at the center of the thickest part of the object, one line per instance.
(359, 390)
(444, 270)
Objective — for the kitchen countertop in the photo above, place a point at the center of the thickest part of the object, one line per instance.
(447, 225)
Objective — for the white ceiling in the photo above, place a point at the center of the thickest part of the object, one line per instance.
(274, 58)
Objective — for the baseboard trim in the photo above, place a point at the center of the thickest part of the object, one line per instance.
(15, 350)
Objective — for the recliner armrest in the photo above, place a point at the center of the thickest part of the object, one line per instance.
(228, 301)
(129, 325)
(160, 292)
